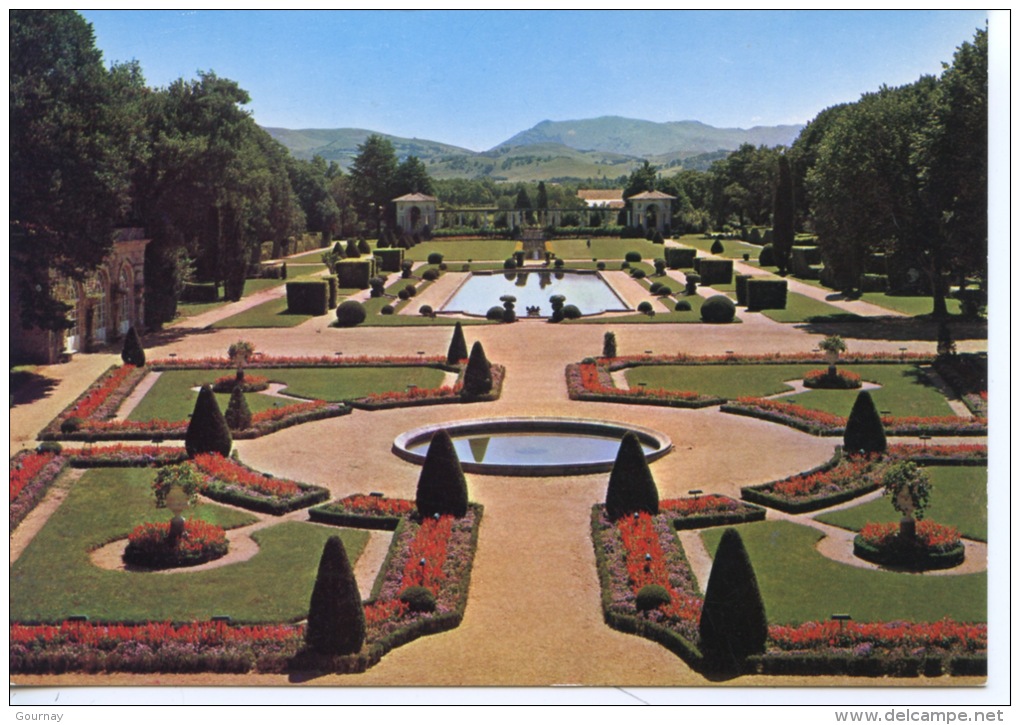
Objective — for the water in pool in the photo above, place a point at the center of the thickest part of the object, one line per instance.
(588, 292)
(549, 449)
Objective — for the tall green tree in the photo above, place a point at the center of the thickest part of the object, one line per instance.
(542, 200)
(372, 174)
(782, 215)
(69, 159)
(640, 180)
(411, 177)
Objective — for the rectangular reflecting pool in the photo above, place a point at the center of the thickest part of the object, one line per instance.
(585, 290)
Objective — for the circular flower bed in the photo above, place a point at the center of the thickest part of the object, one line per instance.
(148, 545)
(832, 380)
(251, 384)
(934, 546)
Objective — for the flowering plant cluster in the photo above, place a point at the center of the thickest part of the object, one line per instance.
(852, 472)
(127, 455)
(592, 381)
(359, 503)
(217, 469)
(427, 555)
(445, 391)
(149, 544)
(293, 361)
(944, 634)
(250, 384)
(822, 423)
(839, 380)
(712, 503)
(701, 512)
(939, 452)
(103, 397)
(776, 358)
(930, 536)
(31, 476)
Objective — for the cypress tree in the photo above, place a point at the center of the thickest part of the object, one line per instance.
(478, 374)
(442, 488)
(207, 431)
(336, 616)
(609, 345)
(351, 252)
(631, 486)
(782, 216)
(238, 415)
(733, 623)
(864, 431)
(458, 346)
(132, 353)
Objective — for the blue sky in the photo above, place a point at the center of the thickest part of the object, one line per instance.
(475, 78)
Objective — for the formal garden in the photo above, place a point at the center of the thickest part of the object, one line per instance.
(165, 549)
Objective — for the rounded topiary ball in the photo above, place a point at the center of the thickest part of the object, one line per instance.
(571, 312)
(495, 314)
(683, 306)
(644, 307)
(652, 596)
(418, 599)
(350, 313)
(718, 309)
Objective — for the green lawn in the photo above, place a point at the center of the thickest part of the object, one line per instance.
(908, 305)
(604, 249)
(959, 498)
(462, 251)
(315, 256)
(801, 308)
(798, 584)
(732, 248)
(55, 578)
(272, 313)
(903, 391)
(172, 397)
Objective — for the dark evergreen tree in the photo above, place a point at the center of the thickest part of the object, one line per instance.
(336, 615)
(442, 488)
(352, 252)
(207, 431)
(733, 622)
(478, 374)
(609, 345)
(133, 354)
(458, 346)
(631, 486)
(542, 200)
(864, 431)
(782, 216)
(238, 415)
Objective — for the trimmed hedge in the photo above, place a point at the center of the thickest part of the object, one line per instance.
(715, 271)
(355, 273)
(680, 257)
(308, 297)
(200, 292)
(802, 259)
(741, 282)
(390, 259)
(764, 294)
(331, 281)
(915, 561)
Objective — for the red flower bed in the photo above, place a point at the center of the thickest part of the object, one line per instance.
(148, 545)
(276, 414)
(251, 384)
(229, 472)
(108, 636)
(25, 468)
(930, 536)
(127, 454)
(98, 394)
(591, 381)
(427, 555)
(945, 634)
(294, 361)
(850, 472)
(841, 380)
(359, 503)
(711, 503)
(446, 391)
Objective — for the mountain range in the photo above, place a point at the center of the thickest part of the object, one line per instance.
(606, 147)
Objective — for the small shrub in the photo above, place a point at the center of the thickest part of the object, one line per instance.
(132, 353)
(442, 488)
(435, 258)
(718, 309)
(352, 251)
(418, 599)
(637, 273)
(682, 306)
(624, 265)
(631, 486)
(509, 263)
(208, 431)
(495, 314)
(665, 290)
(571, 312)
(387, 310)
(430, 275)
(644, 307)
(378, 286)
(238, 415)
(558, 263)
(609, 345)
(600, 266)
(717, 247)
(652, 596)
(864, 431)
(478, 373)
(411, 290)
(632, 257)
(655, 287)
(426, 311)
(660, 267)
(767, 256)
(403, 294)
(458, 346)
(70, 425)
(350, 313)
(49, 447)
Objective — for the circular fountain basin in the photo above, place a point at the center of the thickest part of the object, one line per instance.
(532, 446)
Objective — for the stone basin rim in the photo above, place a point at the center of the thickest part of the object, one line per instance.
(657, 440)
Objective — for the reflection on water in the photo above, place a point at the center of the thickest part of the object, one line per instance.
(545, 449)
(588, 292)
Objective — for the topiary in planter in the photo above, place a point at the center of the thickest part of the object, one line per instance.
(238, 415)
(864, 430)
(418, 599)
(458, 346)
(336, 616)
(478, 374)
(933, 546)
(718, 309)
(208, 431)
(133, 354)
(733, 623)
(350, 313)
(442, 488)
(631, 486)
(652, 596)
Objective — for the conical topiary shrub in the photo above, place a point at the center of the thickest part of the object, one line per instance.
(733, 623)
(133, 354)
(238, 415)
(207, 431)
(442, 488)
(458, 346)
(864, 431)
(336, 616)
(631, 486)
(478, 374)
